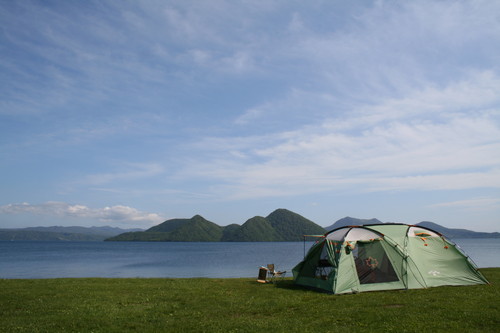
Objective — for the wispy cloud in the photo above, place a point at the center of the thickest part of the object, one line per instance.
(475, 204)
(424, 141)
(114, 214)
(156, 100)
(134, 171)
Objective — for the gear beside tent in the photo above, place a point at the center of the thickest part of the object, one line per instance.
(383, 257)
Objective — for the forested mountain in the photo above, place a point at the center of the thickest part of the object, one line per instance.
(256, 229)
(195, 229)
(291, 226)
(280, 225)
(347, 221)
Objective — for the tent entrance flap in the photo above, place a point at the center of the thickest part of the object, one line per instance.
(372, 263)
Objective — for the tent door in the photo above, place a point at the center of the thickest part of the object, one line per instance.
(372, 263)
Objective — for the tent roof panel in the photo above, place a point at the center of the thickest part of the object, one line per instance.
(362, 234)
(353, 234)
(338, 234)
(397, 232)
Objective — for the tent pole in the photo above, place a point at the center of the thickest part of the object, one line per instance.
(304, 246)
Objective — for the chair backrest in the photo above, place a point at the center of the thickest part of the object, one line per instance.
(270, 267)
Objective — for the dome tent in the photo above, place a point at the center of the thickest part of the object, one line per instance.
(383, 257)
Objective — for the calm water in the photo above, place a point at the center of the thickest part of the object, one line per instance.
(136, 259)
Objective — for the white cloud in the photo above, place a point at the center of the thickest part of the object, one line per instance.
(390, 49)
(471, 93)
(428, 140)
(355, 96)
(249, 116)
(113, 214)
(437, 181)
(474, 204)
(134, 171)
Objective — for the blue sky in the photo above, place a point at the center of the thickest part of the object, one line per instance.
(128, 113)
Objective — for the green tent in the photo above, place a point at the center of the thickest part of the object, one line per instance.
(384, 257)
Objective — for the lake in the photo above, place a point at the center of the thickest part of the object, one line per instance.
(39, 260)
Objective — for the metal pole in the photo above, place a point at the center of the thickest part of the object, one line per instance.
(304, 246)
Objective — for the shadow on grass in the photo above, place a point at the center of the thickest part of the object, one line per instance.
(289, 284)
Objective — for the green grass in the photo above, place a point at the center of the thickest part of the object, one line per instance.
(240, 305)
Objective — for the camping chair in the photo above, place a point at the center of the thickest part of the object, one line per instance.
(275, 275)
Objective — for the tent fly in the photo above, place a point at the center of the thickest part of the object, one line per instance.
(384, 257)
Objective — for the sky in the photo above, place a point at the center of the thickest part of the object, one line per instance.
(129, 113)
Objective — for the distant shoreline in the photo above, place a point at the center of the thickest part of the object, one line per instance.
(281, 225)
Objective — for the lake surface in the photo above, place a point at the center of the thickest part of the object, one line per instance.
(35, 260)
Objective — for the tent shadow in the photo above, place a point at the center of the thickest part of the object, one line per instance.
(289, 284)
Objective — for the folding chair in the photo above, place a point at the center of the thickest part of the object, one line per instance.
(273, 274)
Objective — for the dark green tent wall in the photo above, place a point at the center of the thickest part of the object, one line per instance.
(384, 257)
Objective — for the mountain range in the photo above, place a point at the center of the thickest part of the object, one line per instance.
(448, 232)
(347, 221)
(57, 233)
(280, 225)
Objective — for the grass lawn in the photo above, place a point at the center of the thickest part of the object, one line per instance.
(240, 305)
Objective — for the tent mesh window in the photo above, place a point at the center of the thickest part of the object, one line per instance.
(324, 268)
(310, 266)
(372, 263)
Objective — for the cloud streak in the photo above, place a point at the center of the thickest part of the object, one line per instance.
(114, 214)
(475, 204)
(139, 171)
(429, 141)
(158, 102)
